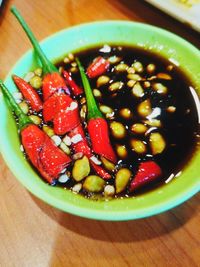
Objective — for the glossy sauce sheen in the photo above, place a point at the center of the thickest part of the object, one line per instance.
(179, 128)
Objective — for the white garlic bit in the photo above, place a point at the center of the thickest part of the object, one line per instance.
(63, 178)
(29, 76)
(109, 190)
(105, 49)
(95, 160)
(77, 155)
(76, 138)
(57, 140)
(72, 106)
(155, 113)
(17, 96)
(77, 188)
(64, 170)
(67, 140)
(18, 101)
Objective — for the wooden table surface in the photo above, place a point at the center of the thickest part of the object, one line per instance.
(35, 234)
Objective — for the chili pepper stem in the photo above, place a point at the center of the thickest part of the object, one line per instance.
(48, 67)
(23, 120)
(97, 125)
(93, 110)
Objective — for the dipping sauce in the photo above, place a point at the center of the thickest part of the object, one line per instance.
(151, 115)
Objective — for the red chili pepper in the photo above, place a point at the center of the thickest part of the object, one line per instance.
(148, 172)
(76, 90)
(66, 120)
(29, 93)
(55, 103)
(43, 153)
(97, 125)
(52, 82)
(100, 171)
(63, 111)
(97, 67)
(47, 158)
(99, 134)
(83, 147)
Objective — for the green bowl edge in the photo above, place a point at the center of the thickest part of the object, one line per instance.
(105, 214)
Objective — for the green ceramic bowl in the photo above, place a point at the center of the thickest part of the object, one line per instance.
(78, 38)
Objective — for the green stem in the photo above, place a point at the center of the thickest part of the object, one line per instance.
(23, 119)
(48, 67)
(93, 110)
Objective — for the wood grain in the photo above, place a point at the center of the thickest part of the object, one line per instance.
(35, 234)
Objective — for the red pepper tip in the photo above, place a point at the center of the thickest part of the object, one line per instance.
(148, 172)
(15, 77)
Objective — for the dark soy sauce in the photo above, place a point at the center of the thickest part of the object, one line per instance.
(179, 128)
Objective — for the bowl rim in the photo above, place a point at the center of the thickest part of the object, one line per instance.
(103, 214)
